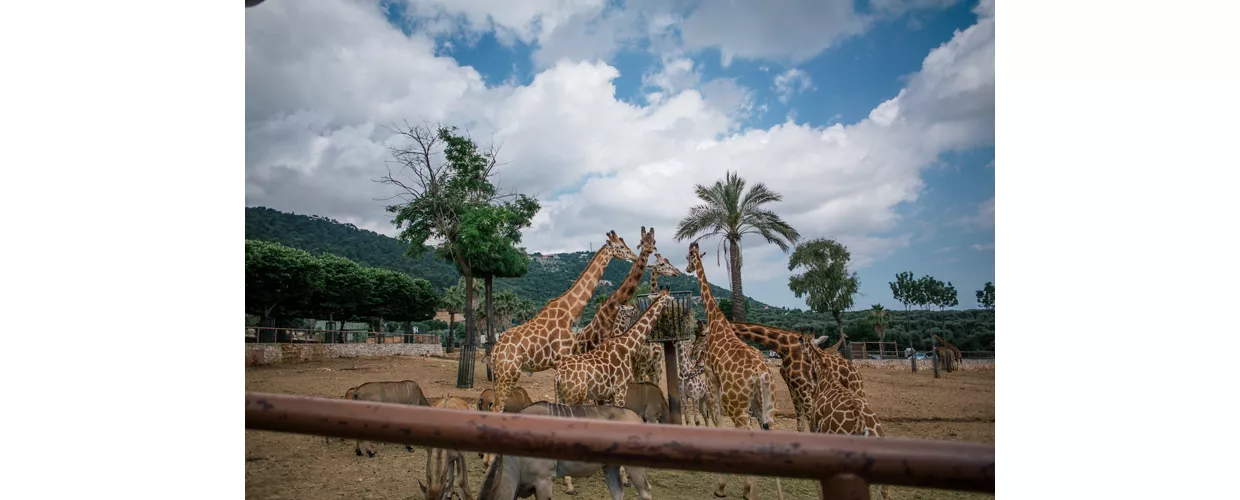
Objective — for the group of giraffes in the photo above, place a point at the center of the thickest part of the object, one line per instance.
(595, 365)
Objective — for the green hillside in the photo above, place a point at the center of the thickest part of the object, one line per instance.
(551, 275)
(548, 277)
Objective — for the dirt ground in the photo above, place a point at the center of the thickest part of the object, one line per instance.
(958, 406)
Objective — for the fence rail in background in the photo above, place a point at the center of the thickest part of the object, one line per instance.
(265, 335)
(845, 465)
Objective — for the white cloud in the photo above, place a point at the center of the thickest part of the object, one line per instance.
(324, 77)
(983, 247)
(984, 218)
(790, 83)
(586, 30)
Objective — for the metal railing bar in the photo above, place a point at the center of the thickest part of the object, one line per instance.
(895, 461)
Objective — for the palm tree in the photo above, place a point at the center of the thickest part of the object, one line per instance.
(730, 212)
(879, 315)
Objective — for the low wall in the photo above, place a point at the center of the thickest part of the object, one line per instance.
(266, 354)
(924, 364)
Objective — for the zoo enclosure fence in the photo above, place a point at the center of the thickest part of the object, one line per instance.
(265, 335)
(845, 466)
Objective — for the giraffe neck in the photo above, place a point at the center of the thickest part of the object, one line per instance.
(714, 316)
(654, 282)
(640, 330)
(606, 315)
(780, 341)
(578, 295)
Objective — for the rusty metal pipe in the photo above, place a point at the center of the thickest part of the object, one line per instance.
(895, 461)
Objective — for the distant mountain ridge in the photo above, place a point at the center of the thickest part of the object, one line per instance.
(548, 277)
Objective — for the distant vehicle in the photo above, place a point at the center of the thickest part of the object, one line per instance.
(920, 356)
(772, 354)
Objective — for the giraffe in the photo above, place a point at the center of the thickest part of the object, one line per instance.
(699, 406)
(538, 343)
(796, 366)
(604, 323)
(648, 363)
(736, 371)
(602, 375)
(835, 408)
(833, 362)
(662, 267)
(952, 354)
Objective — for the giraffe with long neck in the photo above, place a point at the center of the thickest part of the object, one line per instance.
(797, 368)
(836, 409)
(662, 267)
(602, 375)
(951, 353)
(604, 323)
(832, 363)
(546, 338)
(648, 363)
(736, 370)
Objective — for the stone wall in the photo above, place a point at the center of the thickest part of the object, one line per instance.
(924, 364)
(265, 354)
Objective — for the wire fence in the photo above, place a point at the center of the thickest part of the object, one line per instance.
(266, 335)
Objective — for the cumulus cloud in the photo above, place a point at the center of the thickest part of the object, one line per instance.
(790, 83)
(325, 78)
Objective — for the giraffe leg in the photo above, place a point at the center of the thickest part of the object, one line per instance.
(505, 378)
(568, 486)
(798, 405)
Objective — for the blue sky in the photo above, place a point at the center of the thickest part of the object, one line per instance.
(605, 133)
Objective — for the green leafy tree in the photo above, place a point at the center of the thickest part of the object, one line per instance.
(488, 237)
(279, 281)
(730, 212)
(986, 296)
(343, 292)
(398, 297)
(950, 298)
(903, 288)
(447, 199)
(725, 305)
(824, 279)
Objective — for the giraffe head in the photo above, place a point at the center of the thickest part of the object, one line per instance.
(701, 329)
(619, 250)
(694, 258)
(663, 267)
(647, 243)
(625, 318)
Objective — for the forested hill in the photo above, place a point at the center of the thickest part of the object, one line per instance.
(548, 276)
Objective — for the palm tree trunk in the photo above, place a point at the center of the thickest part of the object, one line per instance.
(738, 298)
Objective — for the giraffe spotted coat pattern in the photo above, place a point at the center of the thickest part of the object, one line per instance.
(602, 375)
(548, 337)
(736, 371)
(604, 323)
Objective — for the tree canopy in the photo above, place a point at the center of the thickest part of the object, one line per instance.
(824, 279)
(730, 212)
(287, 283)
(925, 291)
(986, 296)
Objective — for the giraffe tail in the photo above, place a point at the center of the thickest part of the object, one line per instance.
(766, 416)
